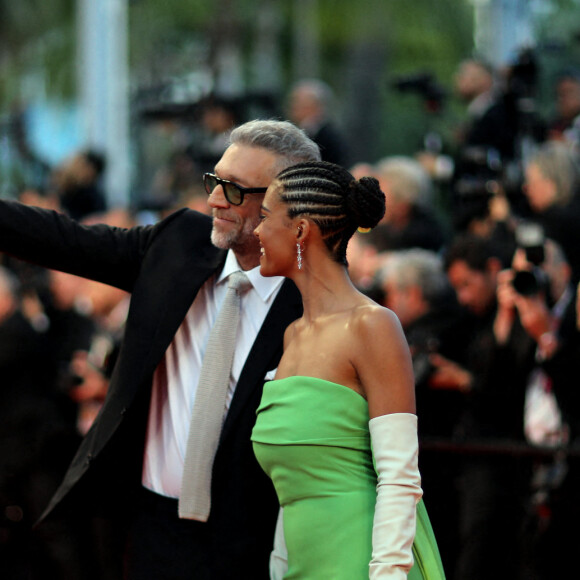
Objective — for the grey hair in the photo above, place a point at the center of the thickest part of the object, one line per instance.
(282, 138)
(417, 267)
(556, 162)
(408, 181)
(318, 90)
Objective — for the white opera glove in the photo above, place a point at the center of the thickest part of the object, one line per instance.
(395, 450)
(279, 555)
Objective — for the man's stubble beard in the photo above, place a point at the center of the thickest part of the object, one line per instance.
(237, 239)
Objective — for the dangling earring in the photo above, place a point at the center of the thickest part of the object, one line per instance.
(299, 252)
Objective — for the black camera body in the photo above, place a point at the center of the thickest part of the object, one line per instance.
(530, 237)
(530, 282)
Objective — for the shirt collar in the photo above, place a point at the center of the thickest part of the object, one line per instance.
(265, 287)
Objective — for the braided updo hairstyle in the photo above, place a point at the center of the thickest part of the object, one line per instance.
(333, 199)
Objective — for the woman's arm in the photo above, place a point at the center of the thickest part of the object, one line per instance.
(395, 450)
(383, 363)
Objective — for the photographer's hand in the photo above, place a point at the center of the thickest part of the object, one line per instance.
(534, 315)
(538, 323)
(449, 375)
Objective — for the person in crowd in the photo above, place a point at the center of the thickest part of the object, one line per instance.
(489, 133)
(493, 380)
(132, 463)
(418, 291)
(537, 293)
(551, 188)
(410, 220)
(218, 117)
(85, 322)
(35, 442)
(344, 383)
(310, 104)
(567, 94)
(91, 364)
(92, 367)
(78, 184)
(489, 125)
(481, 146)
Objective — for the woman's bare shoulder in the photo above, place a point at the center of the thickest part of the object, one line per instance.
(372, 317)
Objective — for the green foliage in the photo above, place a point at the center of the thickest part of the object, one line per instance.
(37, 39)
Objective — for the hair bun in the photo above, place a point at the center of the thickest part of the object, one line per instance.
(366, 202)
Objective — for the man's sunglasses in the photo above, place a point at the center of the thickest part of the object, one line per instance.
(233, 192)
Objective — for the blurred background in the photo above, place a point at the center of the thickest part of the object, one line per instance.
(468, 113)
(128, 78)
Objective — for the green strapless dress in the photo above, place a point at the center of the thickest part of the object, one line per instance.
(312, 438)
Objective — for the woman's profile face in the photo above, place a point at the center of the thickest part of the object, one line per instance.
(277, 236)
(540, 190)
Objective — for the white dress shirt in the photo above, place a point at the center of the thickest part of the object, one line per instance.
(175, 380)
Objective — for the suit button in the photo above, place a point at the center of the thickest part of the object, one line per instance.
(123, 411)
(88, 459)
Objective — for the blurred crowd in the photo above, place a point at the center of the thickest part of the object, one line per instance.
(478, 255)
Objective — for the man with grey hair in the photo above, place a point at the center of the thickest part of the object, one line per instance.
(417, 290)
(309, 106)
(131, 462)
(410, 219)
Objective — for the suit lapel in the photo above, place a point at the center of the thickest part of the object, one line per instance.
(166, 303)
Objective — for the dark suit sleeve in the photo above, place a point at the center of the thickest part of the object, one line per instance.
(50, 239)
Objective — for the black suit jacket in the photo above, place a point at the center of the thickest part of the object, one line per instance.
(163, 266)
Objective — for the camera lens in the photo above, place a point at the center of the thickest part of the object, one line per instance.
(525, 283)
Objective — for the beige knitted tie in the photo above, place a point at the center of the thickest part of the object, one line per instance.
(210, 401)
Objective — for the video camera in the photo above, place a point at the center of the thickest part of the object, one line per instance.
(423, 84)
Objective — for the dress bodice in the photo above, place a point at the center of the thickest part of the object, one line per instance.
(312, 438)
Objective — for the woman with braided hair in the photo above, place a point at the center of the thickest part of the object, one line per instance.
(336, 430)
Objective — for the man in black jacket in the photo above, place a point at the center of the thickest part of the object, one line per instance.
(131, 460)
(499, 357)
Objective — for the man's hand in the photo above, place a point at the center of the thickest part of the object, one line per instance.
(534, 315)
(449, 375)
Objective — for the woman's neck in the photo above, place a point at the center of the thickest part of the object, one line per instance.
(325, 289)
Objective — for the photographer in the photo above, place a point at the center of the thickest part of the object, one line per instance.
(537, 292)
(492, 380)
(489, 132)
